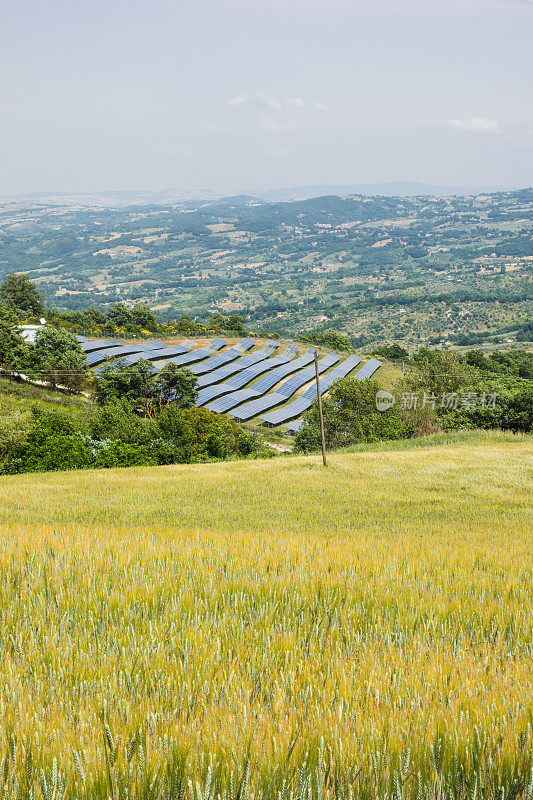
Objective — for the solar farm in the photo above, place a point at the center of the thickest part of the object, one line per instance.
(247, 380)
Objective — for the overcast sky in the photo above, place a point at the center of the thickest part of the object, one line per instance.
(233, 95)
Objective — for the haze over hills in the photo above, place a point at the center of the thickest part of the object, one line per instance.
(196, 198)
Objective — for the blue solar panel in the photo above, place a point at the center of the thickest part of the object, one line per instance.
(286, 389)
(304, 402)
(366, 371)
(157, 353)
(237, 366)
(242, 378)
(195, 355)
(124, 350)
(82, 338)
(88, 347)
(223, 358)
(294, 426)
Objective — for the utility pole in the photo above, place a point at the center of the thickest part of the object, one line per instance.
(320, 417)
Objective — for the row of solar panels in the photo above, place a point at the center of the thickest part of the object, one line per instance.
(219, 395)
(296, 408)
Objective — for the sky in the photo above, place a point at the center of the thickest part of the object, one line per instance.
(232, 95)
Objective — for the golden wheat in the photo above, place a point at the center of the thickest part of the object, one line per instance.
(270, 629)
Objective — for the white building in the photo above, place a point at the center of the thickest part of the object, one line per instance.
(28, 332)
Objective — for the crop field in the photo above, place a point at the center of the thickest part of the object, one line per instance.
(272, 629)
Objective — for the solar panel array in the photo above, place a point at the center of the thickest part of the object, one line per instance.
(195, 355)
(244, 377)
(265, 401)
(304, 402)
(366, 371)
(237, 366)
(223, 358)
(97, 356)
(154, 354)
(82, 338)
(100, 344)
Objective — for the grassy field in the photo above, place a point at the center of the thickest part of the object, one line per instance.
(272, 629)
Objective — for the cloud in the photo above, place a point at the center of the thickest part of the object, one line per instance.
(299, 102)
(272, 126)
(238, 100)
(213, 126)
(269, 101)
(475, 125)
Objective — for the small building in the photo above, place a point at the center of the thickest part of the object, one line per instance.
(28, 332)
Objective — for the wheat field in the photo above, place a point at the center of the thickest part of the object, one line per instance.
(271, 629)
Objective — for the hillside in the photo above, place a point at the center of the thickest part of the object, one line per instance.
(417, 270)
(245, 629)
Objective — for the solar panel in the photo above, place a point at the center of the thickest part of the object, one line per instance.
(82, 338)
(304, 402)
(153, 355)
(294, 426)
(88, 347)
(366, 371)
(124, 350)
(223, 358)
(227, 370)
(195, 355)
(242, 378)
(286, 390)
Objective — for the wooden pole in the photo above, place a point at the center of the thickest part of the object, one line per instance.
(320, 417)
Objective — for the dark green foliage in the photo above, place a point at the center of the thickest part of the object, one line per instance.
(135, 383)
(14, 351)
(23, 295)
(115, 436)
(235, 324)
(176, 385)
(58, 358)
(331, 339)
(392, 352)
(145, 389)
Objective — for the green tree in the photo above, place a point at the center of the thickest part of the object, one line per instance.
(119, 316)
(175, 385)
(235, 324)
(23, 295)
(144, 318)
(351, 416)
(14, 351)
(58, 358)
(217, 322)
(134, 383)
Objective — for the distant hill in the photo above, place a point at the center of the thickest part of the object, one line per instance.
(392, 189)
(199, 198)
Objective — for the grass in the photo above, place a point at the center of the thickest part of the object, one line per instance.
(271, 629)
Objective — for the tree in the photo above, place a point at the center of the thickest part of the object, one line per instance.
(14, 351)
(144, 317)
(351, 416)
(134, 383)
(23, 295)
(146, 390)
(58, 358)
(216, 322)
(391, 351)
(119, 316)
(94, 316)
(235, 324)
(176, 385)
(438, 371)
